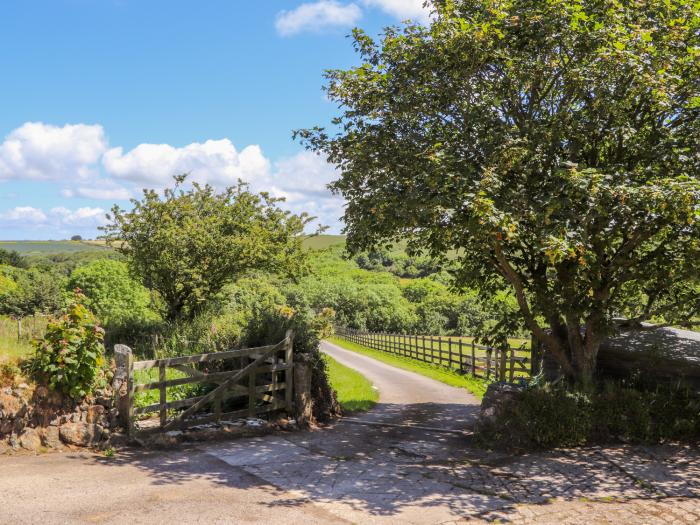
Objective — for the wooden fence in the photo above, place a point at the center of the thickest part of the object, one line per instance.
(253, 380)
(498, 364)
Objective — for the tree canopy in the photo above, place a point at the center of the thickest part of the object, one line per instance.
(553, 143)
(188, 243)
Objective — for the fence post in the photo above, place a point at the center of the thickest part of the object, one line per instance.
(124, 386)
(289, 361)
(163, 395)
(511, 373)
(473, 358)
(489, 351)
(504, 358)
(461, 356)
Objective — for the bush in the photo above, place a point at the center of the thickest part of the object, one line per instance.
(70, 356)
(26, 292)
(545, 417)
(548, 418)
(111, 293)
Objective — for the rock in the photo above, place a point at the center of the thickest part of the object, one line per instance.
(174, 433)
(51, 437)
(12, 441)
(30, 440)
(10, 406)
(94, 413)
(81, 434)
(497, 398)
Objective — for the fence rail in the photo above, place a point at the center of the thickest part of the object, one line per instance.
(254, 381)
(499, 364)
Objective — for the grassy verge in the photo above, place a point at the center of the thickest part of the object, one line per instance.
(439, 373)
(355, 392)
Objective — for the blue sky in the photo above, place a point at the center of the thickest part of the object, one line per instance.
(104, 97)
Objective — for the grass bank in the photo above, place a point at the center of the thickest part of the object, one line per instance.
(439, 373)
(355, 392)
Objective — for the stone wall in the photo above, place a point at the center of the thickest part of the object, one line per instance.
(34, 418)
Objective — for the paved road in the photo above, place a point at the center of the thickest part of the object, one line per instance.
(386, 473)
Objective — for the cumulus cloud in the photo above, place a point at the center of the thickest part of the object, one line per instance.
(45, 152)
(80, 217)
(302, 180)
(23, 214)
(99, 190)
(214, 161)
(81, 164)
(316, 16)
(402, 9)
(57, 222)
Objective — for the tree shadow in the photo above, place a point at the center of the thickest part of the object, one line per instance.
(376, 468)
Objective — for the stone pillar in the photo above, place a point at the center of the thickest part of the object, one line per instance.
(121, 384)
(303, 402)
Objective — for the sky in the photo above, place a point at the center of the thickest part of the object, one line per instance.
(102, 98)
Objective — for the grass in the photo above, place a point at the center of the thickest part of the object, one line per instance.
(439, 373)
(355, 392)
(13, 348)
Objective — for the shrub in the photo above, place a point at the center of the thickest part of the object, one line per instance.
(70, 356)
(549, 417)
(111, 293)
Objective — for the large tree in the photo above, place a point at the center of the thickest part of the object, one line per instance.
(553, 143)
(187, 244)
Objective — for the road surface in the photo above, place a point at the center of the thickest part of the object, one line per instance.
(408, 461)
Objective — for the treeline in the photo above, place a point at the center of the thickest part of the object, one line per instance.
(335, 290)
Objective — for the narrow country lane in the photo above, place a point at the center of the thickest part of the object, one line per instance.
(407, 398)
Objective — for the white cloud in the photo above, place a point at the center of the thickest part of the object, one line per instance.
(23, 214)
(214, 161)
(402, 9)
(99, 190)
(302, 180)
(45, 152)
(81, 217)
(80, 163)
(57, 222)
(316, 16)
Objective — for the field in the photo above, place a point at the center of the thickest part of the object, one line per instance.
(318, 242)
(50, 247)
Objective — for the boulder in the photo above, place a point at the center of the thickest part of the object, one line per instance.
(51, 438)
(497, 398)
(30, 440)
(81, 434)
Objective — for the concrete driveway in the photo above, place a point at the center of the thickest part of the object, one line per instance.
(407, 461)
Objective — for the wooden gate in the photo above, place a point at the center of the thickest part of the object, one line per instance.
(256, 380)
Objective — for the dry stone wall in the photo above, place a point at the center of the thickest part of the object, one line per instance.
(35, 418)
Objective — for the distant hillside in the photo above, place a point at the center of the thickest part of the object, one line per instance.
(50, 247)
(319, 242)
